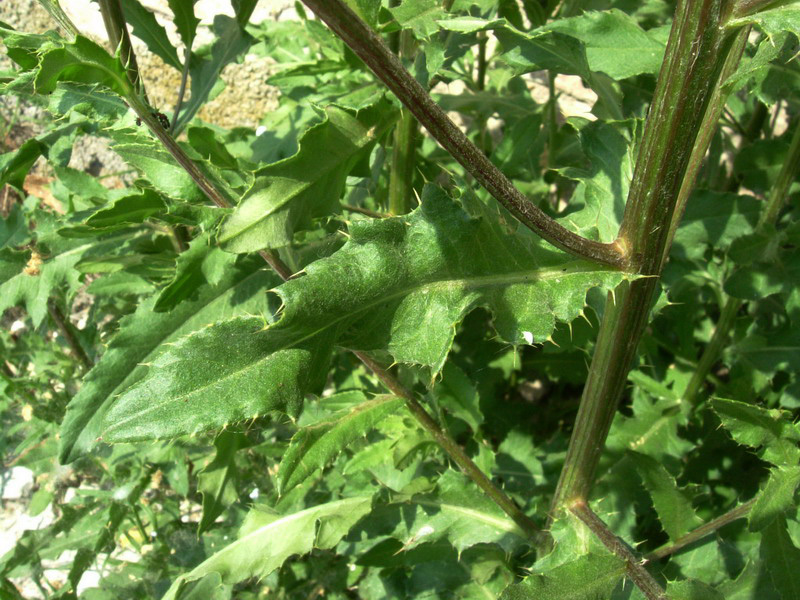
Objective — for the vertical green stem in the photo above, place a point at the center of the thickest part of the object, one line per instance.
(401, 171)
(696, 54)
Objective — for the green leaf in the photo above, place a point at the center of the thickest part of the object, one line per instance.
(146, 28)
(184, 19)
(615, 43)
(780, 558)
(82, 61)
(775, 498)
(692, 589)
(160, 169)
(314, 447)
(32, 276)
(674, 508)
(202, 263)
(420, 16)
(774, 21)
(86, 100)
(714, 219)
(267, 540)
(14, 166)
(206, 142)
(140, 339)
(457, 394)
(603, 188)
(591, 577)
(136, 208)
(231, 42)
(410, 281)
(463, 515)
(217, 481)
(754, 426)
(289, 193)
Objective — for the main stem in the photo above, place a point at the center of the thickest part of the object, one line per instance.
(388, 68)
(695, 57)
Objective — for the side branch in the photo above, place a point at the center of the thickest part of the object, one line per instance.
(388, 68)
(634, 567)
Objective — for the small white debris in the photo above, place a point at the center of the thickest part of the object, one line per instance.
(254, 494)
(352, 567)
(260, 129)
(527, 336)
(17, 326)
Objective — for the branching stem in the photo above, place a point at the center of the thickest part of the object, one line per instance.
(634, 567)
(388, 68)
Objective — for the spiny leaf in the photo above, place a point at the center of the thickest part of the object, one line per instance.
(82, 61)
(461, 514)
(409, 282)
(267, 540)
(160, 168)
(673, 507)
(140, 339)
(313, 447)
(32, 276)
(775, 498)
(591, 577)
(86, 100)
(289, 193)
(754, 426)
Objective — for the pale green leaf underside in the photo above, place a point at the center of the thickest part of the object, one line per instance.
(265, 547)
(402, 284)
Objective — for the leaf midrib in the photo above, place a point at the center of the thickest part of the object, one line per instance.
(491, 279)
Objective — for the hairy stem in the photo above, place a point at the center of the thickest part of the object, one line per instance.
(388, 68)
(451, 447)
(633, 565)
(697, 534)
(117, 30)
(696, 54)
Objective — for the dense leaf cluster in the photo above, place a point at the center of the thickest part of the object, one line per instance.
(215, 419)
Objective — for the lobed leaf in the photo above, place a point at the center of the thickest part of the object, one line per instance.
(217, 480)
(780, 558)
(401, 283)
